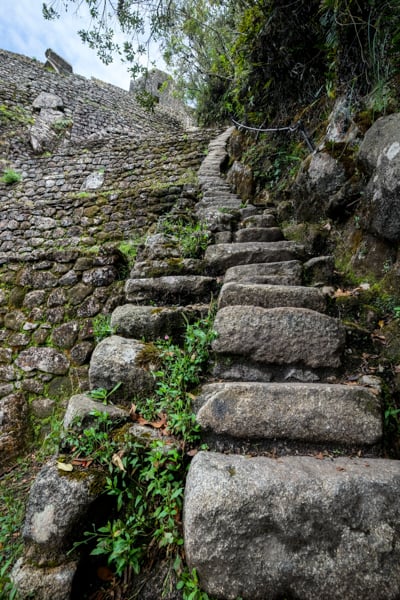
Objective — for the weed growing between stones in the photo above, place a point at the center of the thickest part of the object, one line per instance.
(192, 237)
(146, 475)
(102, 327)
(10, 176)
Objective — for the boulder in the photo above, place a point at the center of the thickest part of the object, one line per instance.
(240, 177)
(270, 296)
(279, 336)
(47, 583)
(337, 414)
(295, 527)
(319, 179)
(380, 155)
(382, 134)
(119, 360)
(57, 506)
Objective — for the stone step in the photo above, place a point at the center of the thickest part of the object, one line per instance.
(267, 220)
(220, 257)
(153, 322)
(293, 527)
(271, 296)
(174, 289)
(258, 234)
(317, 412)
(280, 336)
(283, 273)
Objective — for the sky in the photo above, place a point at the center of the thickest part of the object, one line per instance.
(24, 30)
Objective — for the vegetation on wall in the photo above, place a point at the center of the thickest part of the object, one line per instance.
(260, 59)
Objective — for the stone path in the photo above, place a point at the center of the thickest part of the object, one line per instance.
(269, 511)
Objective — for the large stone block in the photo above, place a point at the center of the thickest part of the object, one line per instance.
(119, 360)
(57, 506)
(220, 257)
(309, 412)
(171, 289)
(282, 273)
(279, 336)
(271, 296)
(295, 527)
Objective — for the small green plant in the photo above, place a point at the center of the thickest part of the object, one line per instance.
(103, 394)
(396, 310)
(10, 176)
(191, 237)
(62, 125)
(189, 584)
(102, 327)
(130, 248)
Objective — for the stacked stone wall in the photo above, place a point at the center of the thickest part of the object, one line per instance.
(112, 171)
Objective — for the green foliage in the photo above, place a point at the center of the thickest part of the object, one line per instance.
(130, 248)
(14, 114)
(9, 177)
(102, 327)
(103, 394)
(14, 489)
(248, 58)
(191, 236)
(147, 479)
(62, 125)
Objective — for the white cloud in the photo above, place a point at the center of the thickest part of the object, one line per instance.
(24, 30)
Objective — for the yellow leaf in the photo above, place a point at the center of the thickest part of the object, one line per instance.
(65, 467)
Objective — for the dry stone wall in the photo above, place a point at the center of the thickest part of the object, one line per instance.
(108, 172)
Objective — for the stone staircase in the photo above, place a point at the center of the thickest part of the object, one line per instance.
(291, 501)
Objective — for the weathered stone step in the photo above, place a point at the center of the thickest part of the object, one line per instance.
(258, 234)
(338, 414)
(271, 296)
(267, 220)
(295, 527)
(220, 257)
(173, 289)
(152, 322)
(283, 273)
(280, 336)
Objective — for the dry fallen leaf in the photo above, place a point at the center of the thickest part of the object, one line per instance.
(65, 467)
(105, 574)
(117, 462)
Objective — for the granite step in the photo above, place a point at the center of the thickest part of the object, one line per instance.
(258, 234)
(293, 527)
(283, 273)
(310, 413)
(174, 289)
(279, 336)
(271, 296)
(264, 220)
(219, 257)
